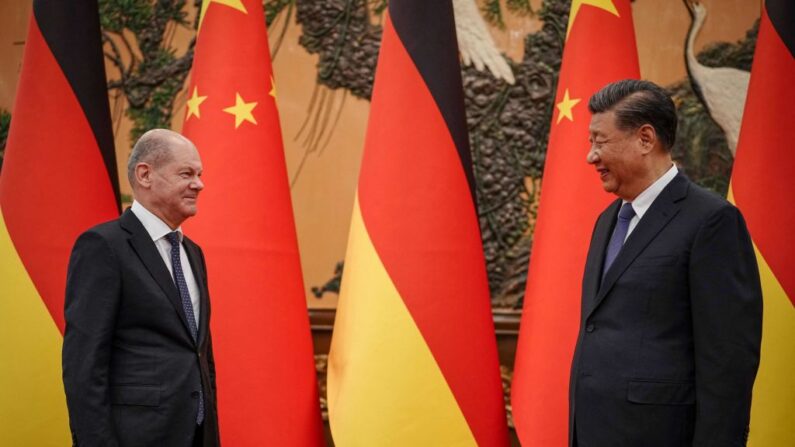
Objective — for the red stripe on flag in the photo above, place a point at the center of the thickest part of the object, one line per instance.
(417, 207)
(54, 183)
(762, 180)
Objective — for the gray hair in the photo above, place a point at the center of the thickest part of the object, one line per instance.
(154, 148)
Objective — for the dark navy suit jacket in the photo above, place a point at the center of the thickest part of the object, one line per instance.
(131, 369)
(669, 338)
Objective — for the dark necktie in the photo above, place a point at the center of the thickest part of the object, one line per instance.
(625, 215)
(187, 306)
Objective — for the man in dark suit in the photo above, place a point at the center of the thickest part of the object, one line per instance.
(138, 364)
(670, 329)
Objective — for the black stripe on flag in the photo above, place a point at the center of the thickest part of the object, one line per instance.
(427, 30)
(71, 30)
(782, 16)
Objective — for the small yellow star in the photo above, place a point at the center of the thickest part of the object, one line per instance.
(242, 111)
(193, 104)
(565, 106)
(607, 5)
(273, 88)
(235, 4)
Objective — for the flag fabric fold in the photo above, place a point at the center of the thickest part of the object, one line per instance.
(762, 185)
(59, 178)
(600, 48)
(413, 357)
(267, 388)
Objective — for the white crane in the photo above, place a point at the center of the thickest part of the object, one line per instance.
(721, 89)
(475, 43)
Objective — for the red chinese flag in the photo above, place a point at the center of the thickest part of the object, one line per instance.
(600, 48)
(267, 390)
(762, 187)
(59, 178)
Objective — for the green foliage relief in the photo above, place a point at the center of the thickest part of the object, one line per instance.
(139, 34)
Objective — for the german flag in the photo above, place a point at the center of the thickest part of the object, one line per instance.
(600, 48)
(413, 357)
(267, 388)
(762, 187)
(59, 178)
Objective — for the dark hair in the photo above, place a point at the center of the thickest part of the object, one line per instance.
(636, 103)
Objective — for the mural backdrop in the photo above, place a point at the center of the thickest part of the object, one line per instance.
(324, 55)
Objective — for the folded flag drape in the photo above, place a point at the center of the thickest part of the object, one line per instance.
(761, 186)
(599, 49)
(267, 388)
(59, 178)
(413, 357)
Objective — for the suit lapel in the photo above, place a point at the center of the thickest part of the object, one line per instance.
(596, 254)
(662, 210)
(194, 258)
(145, 248)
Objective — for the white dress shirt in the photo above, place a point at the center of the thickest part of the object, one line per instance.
(158, 230)
(644, 200)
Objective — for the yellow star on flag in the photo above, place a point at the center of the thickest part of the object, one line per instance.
(235, 4)
(565, 106)
(607, 5)
(273, 88)
(193, 104)
(242, 111)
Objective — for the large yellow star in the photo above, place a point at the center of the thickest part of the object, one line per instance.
(607, 5)
(235, 4)
(273, 88)
(242, 111)
(565, 106)
(193, 104)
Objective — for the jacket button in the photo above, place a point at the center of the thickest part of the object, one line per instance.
(194, 394)
(589, 328)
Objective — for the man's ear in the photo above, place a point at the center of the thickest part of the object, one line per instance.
(648, 138)
(143, 175)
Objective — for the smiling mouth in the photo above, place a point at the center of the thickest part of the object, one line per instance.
(603, 172)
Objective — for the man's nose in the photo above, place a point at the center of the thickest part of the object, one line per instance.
(198, 184)
(591, 157)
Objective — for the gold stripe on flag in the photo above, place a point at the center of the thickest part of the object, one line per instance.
(384, 385)
(772, 404)
(31, 393)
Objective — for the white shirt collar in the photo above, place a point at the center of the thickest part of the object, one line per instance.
(156, 228)
(644, 200)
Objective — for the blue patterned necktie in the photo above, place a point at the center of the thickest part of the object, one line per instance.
(625, 215)
(187, 306)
